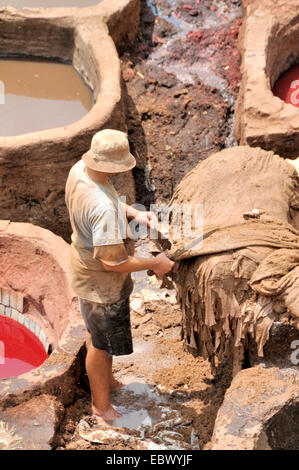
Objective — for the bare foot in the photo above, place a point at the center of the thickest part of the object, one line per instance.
(108, 415)
(116, 384)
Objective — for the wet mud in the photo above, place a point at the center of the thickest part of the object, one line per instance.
(40, 95)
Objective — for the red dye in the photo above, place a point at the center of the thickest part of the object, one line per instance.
(20, 349)
(287, 86)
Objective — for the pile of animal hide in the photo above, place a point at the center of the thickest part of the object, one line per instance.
(245, 275)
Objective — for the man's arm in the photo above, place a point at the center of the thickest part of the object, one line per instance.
(115, 258)
(160, 265)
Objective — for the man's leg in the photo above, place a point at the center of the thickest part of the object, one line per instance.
(98, 368)
(114, 383)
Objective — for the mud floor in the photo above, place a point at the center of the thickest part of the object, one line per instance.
(180, 81)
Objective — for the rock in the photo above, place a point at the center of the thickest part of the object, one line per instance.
(259, 411)
(151, 330)
(44, 257)
(278, 349)
(140, 320)
(35, 422)
(102, 433)
(168, 319)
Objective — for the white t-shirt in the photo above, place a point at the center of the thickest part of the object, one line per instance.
(98, 219)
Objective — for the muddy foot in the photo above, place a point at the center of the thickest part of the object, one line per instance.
(107, 416)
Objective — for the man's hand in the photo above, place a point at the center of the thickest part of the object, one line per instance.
(164, 265)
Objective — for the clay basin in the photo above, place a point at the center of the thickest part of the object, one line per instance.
(260, 410)
(34, 279)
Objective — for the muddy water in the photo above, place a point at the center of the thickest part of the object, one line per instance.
(48, 3)
(40, 95)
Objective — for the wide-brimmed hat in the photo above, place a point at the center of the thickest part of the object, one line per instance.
(109, 152)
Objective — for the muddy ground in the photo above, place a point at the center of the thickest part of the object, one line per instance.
(180, 80)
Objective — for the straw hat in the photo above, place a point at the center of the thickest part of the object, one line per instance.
(109, 152)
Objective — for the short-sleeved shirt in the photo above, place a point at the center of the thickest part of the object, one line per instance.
(98, 219)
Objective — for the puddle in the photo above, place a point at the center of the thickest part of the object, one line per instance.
(133, 419)
(48, 3)
(40, 95)
(154, 421)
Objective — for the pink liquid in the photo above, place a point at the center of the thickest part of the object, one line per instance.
(287, 86)
(20, 349)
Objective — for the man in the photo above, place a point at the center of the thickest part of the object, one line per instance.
(102, 260)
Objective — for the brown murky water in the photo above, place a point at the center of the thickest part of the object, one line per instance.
(40, 95)
(48, 3)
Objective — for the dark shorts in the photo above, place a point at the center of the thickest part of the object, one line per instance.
(109, 325)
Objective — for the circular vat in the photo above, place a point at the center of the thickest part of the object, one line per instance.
(34, 166)
(40, 323)
(282, 64)
(38, 95)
